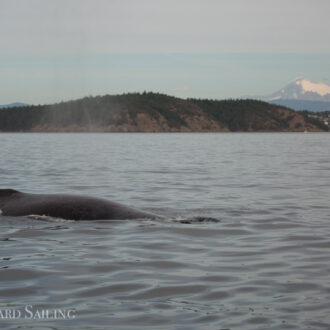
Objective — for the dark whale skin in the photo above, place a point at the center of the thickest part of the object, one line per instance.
(70, 207)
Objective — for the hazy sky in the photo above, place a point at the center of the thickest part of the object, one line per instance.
(53, 50)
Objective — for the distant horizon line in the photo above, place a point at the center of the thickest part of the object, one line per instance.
(254, 98)
(243, 97)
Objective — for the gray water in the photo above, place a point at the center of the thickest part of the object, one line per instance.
(265, 265)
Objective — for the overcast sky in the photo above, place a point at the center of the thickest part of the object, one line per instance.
(52, 50)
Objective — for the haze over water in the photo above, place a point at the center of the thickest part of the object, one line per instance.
(264, 265)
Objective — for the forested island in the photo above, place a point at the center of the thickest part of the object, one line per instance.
(154, 112)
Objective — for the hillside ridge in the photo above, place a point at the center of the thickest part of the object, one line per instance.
(155, 112)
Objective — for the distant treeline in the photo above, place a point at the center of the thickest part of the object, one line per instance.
(317, 113)
(135, 111)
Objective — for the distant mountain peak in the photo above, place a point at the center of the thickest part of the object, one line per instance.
(300, 94)
(300, 89)
(309, 86)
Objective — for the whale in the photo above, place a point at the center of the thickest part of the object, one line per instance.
(65, 206)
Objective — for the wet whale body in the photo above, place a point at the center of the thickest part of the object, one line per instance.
(70, 207)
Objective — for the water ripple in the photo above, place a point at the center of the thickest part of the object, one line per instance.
(264, 265)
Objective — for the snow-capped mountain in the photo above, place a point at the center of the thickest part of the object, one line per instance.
(301, 89)
(301, 94)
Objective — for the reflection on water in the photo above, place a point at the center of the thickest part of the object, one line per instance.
(265, 265)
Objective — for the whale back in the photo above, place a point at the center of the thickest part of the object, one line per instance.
(7, 192)
(71, 207)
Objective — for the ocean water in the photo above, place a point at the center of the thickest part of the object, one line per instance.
(264, 265)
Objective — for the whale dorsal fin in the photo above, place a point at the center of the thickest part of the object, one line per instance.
(7, 192)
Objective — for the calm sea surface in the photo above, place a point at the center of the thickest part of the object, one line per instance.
(265, 265)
